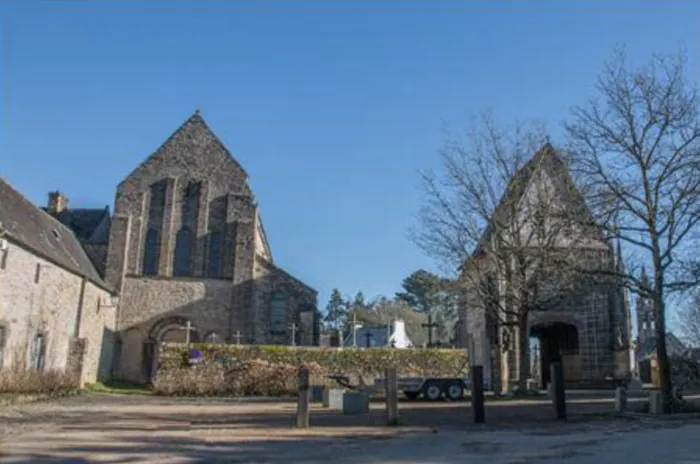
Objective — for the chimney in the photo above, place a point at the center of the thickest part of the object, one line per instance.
(57, 202)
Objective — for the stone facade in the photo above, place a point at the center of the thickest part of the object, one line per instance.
(56, 313)
(588, 330)
(186, 244)
(184, 253)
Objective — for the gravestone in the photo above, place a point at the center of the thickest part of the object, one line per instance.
(355, 402)
(333, 398)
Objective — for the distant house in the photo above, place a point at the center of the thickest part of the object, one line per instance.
(393, 335)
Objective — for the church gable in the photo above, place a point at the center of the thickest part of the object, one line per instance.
(192, 151)
(551, 193)
(544, 183)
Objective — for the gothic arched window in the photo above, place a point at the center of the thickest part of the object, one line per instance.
(278, 313)
(150, 253)
(183, 253)
(214, 255)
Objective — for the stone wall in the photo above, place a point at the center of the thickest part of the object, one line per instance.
(37, 296)
(269, 279)
(98, 327)
(146, 302)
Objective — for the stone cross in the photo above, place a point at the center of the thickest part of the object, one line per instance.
(430, 325)
(238, 337)
(188, 329)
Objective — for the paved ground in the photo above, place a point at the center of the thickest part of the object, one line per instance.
(102, 428)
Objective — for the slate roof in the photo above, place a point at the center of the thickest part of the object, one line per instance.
(89, 225)
(284, 273)
(28, 225)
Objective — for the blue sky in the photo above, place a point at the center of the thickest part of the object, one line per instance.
(331, 107)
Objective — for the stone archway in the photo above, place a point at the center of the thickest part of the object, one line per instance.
(173, 330)
(558, 341)
(168, 330)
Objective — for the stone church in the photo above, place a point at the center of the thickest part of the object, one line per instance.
(588, 330)
(185, 252)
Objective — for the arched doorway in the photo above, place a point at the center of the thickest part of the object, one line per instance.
(557, 341)
(174, 330)
(168, 330)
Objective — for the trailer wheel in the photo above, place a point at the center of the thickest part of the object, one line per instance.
(455, 391)
(433, 392)
(412, 395)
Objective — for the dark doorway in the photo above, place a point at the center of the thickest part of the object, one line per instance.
(645, 371)
(557, 342)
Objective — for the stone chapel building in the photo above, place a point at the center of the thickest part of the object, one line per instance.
(589, 331)
(186, 253)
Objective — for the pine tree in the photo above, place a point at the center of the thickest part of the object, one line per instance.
(336, 311)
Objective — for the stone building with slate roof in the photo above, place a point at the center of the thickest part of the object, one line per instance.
(56, 310)
(589, 332)
(185, 250)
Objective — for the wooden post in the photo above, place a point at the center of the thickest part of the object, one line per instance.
(303, 399)
(392, 396)
(478, 394)
(558, 391)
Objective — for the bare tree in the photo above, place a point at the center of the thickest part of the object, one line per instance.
(508, 220)
(636, 147)
(689, 318)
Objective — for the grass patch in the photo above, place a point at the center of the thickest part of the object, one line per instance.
(119, 387)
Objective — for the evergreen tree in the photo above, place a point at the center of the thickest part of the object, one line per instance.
(336, 311)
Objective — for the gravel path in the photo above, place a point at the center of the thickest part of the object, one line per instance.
(105, 428)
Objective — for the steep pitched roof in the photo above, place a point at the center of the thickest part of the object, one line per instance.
(89, 225)
(28, 225)
(195, 120)
(547, 159)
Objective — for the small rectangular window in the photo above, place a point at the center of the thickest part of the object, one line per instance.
(37, 273)
(3, 258)
(39, 352)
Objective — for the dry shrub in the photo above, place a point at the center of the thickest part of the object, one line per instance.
(272, 370)
(27, 381)
(247, 378)
(206, 380)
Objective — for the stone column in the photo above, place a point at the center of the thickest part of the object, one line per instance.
(117, 252)
(165, 264)
(239, 262)
(199, 260)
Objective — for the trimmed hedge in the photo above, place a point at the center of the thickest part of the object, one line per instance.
(271, 370)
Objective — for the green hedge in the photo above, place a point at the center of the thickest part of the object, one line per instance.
(270, 370)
